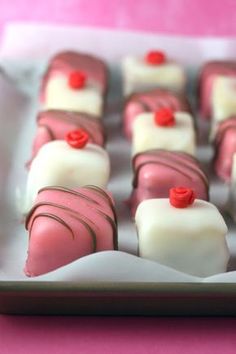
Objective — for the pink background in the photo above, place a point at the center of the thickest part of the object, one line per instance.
(122, 335)
(198, 17)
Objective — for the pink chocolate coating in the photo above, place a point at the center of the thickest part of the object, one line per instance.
(151, 101)
(207, 75)
(55, 124)
(156, 171)
(225, 148)
(65, 225)
(69, 61)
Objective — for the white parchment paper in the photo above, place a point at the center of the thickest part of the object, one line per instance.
(23, 55)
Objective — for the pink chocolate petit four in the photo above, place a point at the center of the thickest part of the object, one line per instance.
(156, 171)
(76, 82)
(65, 225)
(225, 148)
(151, 101)
(209, 72)
(56, 124)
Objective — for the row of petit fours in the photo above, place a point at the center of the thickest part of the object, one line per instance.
(158, 120)
(70, 214)
(79, 216)
(217, 103)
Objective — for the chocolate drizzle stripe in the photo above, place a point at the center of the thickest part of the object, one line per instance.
(221, 132)
(106, 197)
(72, 116)
(78, 216)
(194, 169)
(219, 139)
(178, 157)
(157, 151)
(113, 227)
(156, 163)
(70, 191)
(197, 169)
(71, 213)
(51, 204)
(135, 181)
(104, 215)
(49, 131)
(54, 217)
(91, 126)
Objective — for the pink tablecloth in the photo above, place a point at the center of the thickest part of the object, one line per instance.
(210, 17)
(69, 335)
(122, 335)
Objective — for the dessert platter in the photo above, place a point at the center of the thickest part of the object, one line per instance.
(118, 184)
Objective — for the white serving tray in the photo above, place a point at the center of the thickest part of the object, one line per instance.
(23, 63)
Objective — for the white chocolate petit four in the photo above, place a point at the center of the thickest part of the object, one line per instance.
(164, 129)
(72, 163)
(183, 233)
(152, 71)
(60, 95)
(223, 97)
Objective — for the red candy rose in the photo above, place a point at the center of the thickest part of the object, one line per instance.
(155, 57)
(77, 138)
(77, 80)
(181, 197)
(165, 117)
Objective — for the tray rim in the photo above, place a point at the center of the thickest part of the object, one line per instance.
(135, 288)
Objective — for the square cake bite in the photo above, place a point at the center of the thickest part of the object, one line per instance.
(156, 171)
(183, 233)
(164, 129)
(75, 82)
(215, 80)
(151, 101)
(70, 163)
(56, 124)
(225, 148)
(153, 69)
(65, 225)
(223, 98)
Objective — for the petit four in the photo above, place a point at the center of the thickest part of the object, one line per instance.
(164, 129)
(223, 98)
(55, 124)
(183, 233)
(67, 163)
(152, 70)
(232, 190)
(66, 224)
(75, 82)
(156, 171)
(216, 89)
(151, 101)
(225, 148)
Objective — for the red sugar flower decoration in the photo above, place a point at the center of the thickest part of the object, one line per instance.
(181, 197)
(164, 117)
(155, 57)
(77, 138)
(77, 80)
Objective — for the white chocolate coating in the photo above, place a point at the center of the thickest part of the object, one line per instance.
(58, 164)
(191, 240)
(232, 191)
(223, 97)
(139, 75)
(58, 95)
(148, 135)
